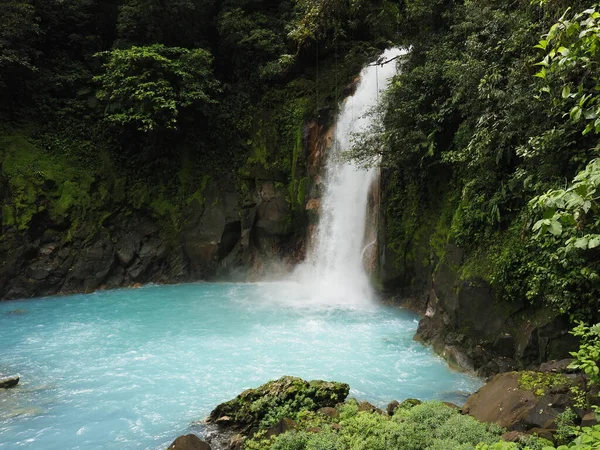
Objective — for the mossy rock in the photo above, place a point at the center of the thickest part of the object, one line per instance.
(264, 406)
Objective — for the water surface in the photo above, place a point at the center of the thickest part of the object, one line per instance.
(133, 368)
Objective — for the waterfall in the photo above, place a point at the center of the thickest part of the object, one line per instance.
(334, 268)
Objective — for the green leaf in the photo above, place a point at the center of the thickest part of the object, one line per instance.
(594, 242)
(582, 243)
(555, 228)
(566, 91)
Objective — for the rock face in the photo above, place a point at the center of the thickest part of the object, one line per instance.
(473, 329)
(521, 401)
(189, 442)
(246, 412)
(217, 235)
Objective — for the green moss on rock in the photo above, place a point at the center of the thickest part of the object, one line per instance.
(284, 398)
(540, 383)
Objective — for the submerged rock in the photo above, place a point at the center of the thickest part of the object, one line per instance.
(9, 382)
(288, 395)
(189, 442)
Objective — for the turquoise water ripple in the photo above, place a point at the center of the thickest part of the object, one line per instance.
(133, 368)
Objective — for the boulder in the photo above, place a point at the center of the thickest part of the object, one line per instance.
(392, 406)
(520, 400)
(245, 412)
(329, 412)
(9, 382)
(409, 403)
(281, 427)
(189, 442)
(589, 419)
(368, 407)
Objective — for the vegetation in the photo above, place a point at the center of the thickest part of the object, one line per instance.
(132, 106)
(431, 425)
(495, 107)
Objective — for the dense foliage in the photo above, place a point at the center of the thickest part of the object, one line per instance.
(430, 426)
(496, 105)
(149, 98)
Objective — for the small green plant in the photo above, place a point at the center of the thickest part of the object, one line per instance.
(566, 429)
(540, 383)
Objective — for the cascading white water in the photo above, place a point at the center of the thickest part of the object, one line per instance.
(334, 268)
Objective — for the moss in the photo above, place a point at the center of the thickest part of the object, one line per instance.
(540, 383)
(287, 397)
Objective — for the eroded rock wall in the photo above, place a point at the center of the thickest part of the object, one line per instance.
(465, 317)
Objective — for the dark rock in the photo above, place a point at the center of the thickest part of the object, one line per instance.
(39, 273)
(557, 366)
(514, 436)
(457, 358)
(189, 442)
(281, 427)
(409, 403)
(589, 419)
(508, 402)
(329, 412)
(9, 382)
(127, 248)
(246, 411)
(505, 345)
(543, 433)
(236, 442)
(368, 407)
(391, 407)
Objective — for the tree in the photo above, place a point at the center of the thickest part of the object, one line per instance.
(184, 23)
(148, 87)
(17, 44)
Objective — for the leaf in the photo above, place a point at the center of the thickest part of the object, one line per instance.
(582, 243)
(538, 225)
(566, 91)
(541, 73)
(575, 113)
(555, 228)
(594, 242)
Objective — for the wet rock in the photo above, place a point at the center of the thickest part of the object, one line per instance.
(189, 442)
(457, 358)
(392, 407)
(245, 412)
(9, 382)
